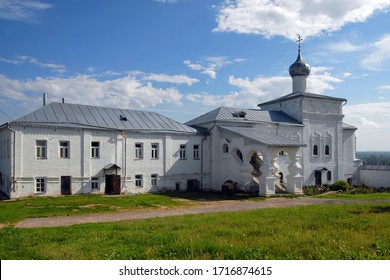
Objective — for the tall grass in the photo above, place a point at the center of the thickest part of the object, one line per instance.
(309, 232)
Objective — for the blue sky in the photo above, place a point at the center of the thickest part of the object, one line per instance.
(182, 58)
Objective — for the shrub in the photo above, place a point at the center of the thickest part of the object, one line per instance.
(340, 185)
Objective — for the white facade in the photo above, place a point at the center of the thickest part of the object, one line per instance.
(295, 140)
(56, 160)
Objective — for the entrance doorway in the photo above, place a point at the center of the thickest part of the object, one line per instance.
(193, 185)
(66, 185)
(113, 184)
(318, 177)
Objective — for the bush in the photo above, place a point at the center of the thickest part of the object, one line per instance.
(340, 185)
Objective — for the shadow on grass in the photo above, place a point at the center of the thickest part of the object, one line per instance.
(212, 196)
(380, 209)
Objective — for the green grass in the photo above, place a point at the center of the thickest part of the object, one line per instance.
(14, 211)
(357, 196)
(360, 231)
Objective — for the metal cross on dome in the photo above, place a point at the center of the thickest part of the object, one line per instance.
(300, 39)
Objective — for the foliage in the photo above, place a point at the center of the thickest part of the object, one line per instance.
(340, 185)
(374, 158)
(358, 231)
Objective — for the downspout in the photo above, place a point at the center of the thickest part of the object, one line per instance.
(123, 134)
(13, 158)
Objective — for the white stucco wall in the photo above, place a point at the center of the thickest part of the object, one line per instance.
(115, 148)
(375, 178)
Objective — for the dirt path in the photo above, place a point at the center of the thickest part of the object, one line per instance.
(204, 207)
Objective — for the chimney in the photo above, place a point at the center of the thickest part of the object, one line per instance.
(44, 99)
(63, 100)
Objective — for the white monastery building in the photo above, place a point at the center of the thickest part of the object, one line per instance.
(295, 140)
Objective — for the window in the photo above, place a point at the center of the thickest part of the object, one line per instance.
(327, 150)
(64, 149)
(154, 151)
(138, 150)
(95, 149)
(41, 149)
(153, 180)
(138, 181)
(315, 150)
(95, 184)
(182, 151)
(196, 152)
(329, 176)
(225, 148)
(40, 185)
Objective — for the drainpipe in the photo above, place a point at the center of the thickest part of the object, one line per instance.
(13, 158)
(123, 134)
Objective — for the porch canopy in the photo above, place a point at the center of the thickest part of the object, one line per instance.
(269, 144)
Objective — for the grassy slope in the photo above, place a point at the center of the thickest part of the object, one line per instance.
(310, 232)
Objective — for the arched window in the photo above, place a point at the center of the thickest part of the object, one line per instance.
(329, 176)
(315, 150)
(327, 150)
(225, 148)
(239, 154)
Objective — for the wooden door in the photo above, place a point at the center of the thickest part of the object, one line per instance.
(113, 184)
(66, 185)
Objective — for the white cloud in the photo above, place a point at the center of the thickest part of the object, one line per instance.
(28, 59)
(372, 121)
(124, 92)
(254, 91)
(288, 18)
(344, 46)
(384, 88)
(175, 79)
(167, 1)
(210, 65)
(21, 10)
(380, 55)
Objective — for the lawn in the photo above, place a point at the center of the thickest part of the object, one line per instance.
(359, 231)
(17, 210)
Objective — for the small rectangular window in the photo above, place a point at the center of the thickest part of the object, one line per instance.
(138, 181)
(95, 149)
(182, 151)
(40, 185)
(154, 151)
(153, 180)
(41, 148)
(138, 150)
(95, 184)
(196, 152)
(64, 149)
(8, 149)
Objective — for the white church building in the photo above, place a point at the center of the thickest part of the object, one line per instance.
(296, 140)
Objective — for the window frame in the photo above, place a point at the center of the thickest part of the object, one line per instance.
(138, 150)
(315, 150)
(183, 151)
(154, 151)
(41, 150)
(95, 186)
(40, 185)
(138, 180)
(95, 150)
(154, 180)
(64, 150)
(327, 151)
(196, 152)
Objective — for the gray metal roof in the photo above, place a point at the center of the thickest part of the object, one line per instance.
(247, 115)
(267, 139)
(375, 167)
(95, 117)
(301, 95)
(349, 127)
